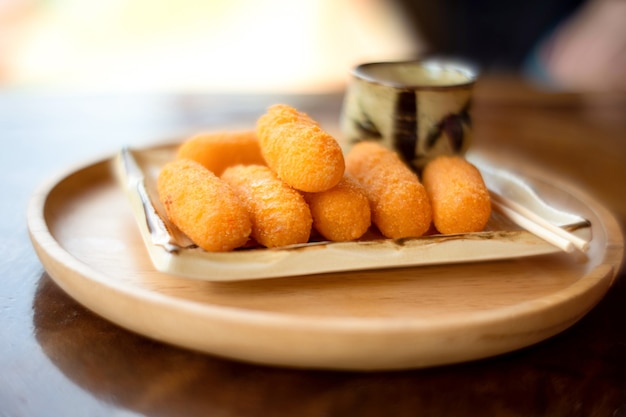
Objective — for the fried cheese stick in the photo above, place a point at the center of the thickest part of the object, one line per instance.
(400, 206)
(458, 195)
(219, 150)
(341, 213)
(298, 150)
(202, 206)
(280, 215)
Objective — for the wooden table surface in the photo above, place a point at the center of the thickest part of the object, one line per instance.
(59, 359)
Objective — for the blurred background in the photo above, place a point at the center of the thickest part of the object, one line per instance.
(296, 46)
(214, 45)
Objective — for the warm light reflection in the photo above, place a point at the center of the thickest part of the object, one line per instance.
(219, 45)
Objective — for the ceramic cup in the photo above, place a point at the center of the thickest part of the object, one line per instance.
(420, 109)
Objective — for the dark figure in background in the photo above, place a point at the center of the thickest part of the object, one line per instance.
(496, 34)
(564, 43)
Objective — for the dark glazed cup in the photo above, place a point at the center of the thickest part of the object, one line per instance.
(421, 109)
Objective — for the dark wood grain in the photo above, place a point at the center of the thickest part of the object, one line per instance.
(59, 359)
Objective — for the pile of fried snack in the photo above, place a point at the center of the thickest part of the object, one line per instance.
(277, 184)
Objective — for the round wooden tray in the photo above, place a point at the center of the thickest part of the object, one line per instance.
(84, 232)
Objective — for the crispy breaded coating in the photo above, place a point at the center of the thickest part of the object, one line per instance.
(279, 214)
(202, 206)
(341, 213)
(219, 150)
(297, 149)
(458, 195)
(400, 206)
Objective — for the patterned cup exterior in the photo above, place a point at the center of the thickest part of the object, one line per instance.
(421, 109)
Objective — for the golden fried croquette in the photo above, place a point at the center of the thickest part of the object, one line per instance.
(202, 206)
(297, 149)
(341, 213)
(219, 150)
(458, 195)
(279, 214)
(399, 204)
